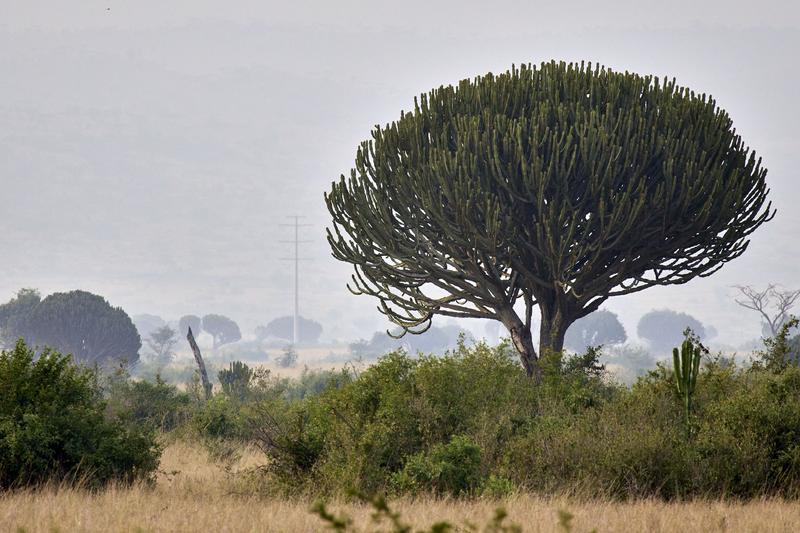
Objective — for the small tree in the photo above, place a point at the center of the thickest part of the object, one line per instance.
(773, 304)
(781, 351)
(161, 343)
(556, 186)
(599, 328)
(664, 328)
(223, 329)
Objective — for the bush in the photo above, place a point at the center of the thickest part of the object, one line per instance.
(156, 405)
(53, 426)
(236, 380)
(221, 418)
(471, 422)
(745, 442)
(453, 468)
(359, 433)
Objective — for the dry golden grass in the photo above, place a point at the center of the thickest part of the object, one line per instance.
(194, 494)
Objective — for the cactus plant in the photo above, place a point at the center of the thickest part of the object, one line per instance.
(235, 380)
(687, 366)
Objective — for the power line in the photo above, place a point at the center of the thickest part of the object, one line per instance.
(297, 242)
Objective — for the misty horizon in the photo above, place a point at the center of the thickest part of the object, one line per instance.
(150, 155)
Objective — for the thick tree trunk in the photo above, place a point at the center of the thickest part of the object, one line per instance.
(552, 332)
(523, 342)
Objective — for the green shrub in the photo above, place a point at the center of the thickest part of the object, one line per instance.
(53, 425)
(453, 468)
(497, 487)
(392, 426)
(236, 380)
(364, 429)
(221, 418)
(157, 405)
(314, 382)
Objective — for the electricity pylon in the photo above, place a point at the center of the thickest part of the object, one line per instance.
(297, 242)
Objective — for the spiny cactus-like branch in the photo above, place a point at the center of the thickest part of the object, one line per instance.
(559, 186)
(687, 367)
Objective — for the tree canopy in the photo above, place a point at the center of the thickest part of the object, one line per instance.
(14, 311)
(600, 327)
(308, 330)
(663, 328)
(557, 186)
(223, 329)
(79, 323)
(161, 343)
(147, 324)
(187, 321)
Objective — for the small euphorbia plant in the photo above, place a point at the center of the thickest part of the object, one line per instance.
(687, 367)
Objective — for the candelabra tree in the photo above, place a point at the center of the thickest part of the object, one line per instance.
(557, 186)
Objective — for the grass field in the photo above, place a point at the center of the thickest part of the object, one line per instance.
(195, 494)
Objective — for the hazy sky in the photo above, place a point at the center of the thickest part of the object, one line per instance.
(150, 150)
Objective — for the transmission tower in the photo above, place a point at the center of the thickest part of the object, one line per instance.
(296, 242)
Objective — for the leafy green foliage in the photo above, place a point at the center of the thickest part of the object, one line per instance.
(453, 468)
(53, 426)
(469, 423)
(780, 351)
(155, 405)
(358, 434)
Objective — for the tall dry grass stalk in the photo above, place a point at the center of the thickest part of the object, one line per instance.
(194, 494)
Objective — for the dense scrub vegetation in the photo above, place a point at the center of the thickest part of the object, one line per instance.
(470, 423)
(54, 425)
(466, 424)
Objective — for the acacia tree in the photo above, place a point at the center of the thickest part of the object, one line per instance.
(283, 328)
(161, 343)
(558, 186)
(223, 329)
(189, 321)
(773, 304)
(663, 328)
(600, 327)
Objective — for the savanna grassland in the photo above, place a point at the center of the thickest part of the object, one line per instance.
(415, 440)
(195, 493)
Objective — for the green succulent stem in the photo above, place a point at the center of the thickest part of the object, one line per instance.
(555, 187)
(687, 367)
